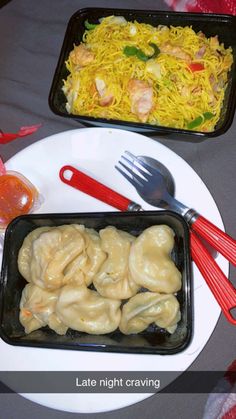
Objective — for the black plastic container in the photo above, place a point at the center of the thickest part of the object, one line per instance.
(153, 340)
(209, 24)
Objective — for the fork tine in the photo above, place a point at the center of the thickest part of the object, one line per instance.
(138, 169)
(134, 176)
(145, 165)
(127, 177)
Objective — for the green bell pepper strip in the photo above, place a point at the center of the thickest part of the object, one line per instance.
(90, 26)
(131, 51)
(195, 123)
(156, 50)
(206, 116)
(141, 55)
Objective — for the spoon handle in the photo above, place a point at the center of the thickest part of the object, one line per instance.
(221, 241)
(84, 183)
(221, 287)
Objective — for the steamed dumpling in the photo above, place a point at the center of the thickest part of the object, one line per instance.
(83, 268)
(37, 309)
(52, 251)
(113, 279)
(150, 262)
(146, 308)
(86, 311)
(25, 253)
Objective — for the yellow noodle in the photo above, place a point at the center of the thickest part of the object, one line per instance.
(179, 95)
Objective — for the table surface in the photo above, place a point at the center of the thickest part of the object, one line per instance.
(31, 36)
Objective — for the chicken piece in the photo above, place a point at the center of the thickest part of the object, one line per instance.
(200, 52)
(227, 62)
(176, 51)
(201, 34)
(213, 83)
(141, 95)
(197, 90)
(214, 42)
(212, 99)
(105, 97)
(184, 91)
(81, 55)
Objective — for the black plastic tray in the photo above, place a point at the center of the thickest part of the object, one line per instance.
(153, 340)
(209, 24)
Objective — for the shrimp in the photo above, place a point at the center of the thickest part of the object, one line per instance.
(106, 97)
(141, 95)
(176, 51)
(81, 55)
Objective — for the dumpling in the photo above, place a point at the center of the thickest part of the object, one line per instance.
(25, 253)
(55, 323)
(96, 255)
(37, 309)
(148, 307)
(49, 261)
(150, 262)
(52, 251)
(113, 279)
(86, 311)
(83, 268)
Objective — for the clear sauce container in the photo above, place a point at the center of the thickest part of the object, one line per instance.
(18, 196)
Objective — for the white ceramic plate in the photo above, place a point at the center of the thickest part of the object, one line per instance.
(95, 151)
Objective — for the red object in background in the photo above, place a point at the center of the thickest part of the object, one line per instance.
(221, 402)
(23, 131)
(231, 414)
(204, 6)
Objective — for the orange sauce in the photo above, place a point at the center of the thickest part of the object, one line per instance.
(17, 196)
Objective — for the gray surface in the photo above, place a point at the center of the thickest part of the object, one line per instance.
(31, 34)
